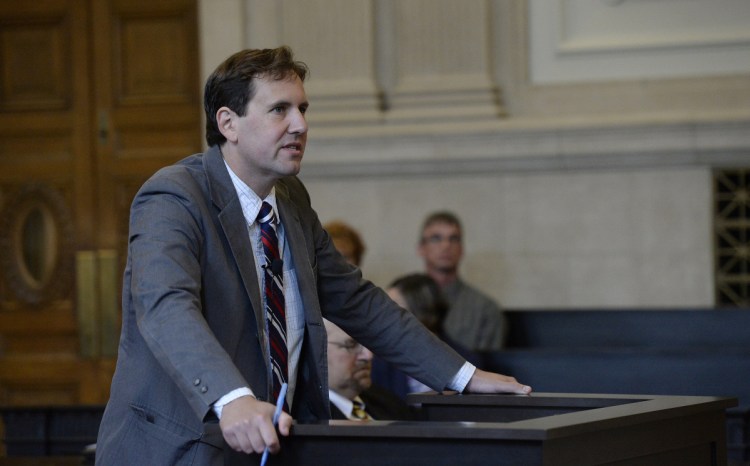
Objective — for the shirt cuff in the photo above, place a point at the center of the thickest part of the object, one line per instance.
(229, 397)
(462, 377)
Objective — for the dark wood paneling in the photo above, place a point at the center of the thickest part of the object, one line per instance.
(95, 95)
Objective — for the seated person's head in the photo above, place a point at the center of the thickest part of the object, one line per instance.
(349, 363)
(347, 241)
(440, 243)
(421, 295)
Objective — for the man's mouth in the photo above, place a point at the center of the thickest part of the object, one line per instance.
(364, 368)
(294, 146)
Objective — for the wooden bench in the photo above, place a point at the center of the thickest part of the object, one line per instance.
(695, 352)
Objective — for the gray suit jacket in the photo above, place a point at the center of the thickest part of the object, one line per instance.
(192, 312)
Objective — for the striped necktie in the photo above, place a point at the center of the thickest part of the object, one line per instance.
(274, 297)
(358, 410)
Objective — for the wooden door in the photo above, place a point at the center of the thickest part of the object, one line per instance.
(94, 97)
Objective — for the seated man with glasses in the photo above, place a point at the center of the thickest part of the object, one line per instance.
(474, 319)
(350, 389)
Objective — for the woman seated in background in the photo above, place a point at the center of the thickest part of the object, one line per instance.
(421, 295)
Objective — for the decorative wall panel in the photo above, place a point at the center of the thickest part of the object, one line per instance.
(32, 64)
(584, 40)
(732, 236)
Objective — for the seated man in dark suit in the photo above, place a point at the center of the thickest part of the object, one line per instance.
(350, 389)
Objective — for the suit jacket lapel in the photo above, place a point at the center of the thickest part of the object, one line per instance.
(231, 218)
(336, 413)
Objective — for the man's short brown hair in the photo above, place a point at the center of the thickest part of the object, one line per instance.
(441, 216)
(232, 84)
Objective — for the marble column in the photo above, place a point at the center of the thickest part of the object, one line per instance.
(441, 67)
(336, 40)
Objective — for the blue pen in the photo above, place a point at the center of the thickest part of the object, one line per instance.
(276, 415)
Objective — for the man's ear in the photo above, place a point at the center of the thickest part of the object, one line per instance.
(226, 120)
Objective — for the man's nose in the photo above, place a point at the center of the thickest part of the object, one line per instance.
(298, 123)
(365, 354)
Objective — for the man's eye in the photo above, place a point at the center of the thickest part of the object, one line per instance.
(278, 109)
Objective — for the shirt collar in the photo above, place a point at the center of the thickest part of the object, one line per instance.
(344, 404)
(250, 201)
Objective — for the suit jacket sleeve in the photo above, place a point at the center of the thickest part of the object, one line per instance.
(363, 310)
(172, 244)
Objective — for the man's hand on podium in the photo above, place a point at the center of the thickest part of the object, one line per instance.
(490, 382)
(247, 425)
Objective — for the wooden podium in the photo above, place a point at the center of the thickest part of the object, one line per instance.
(544, 429)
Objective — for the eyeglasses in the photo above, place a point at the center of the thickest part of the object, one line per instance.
(437, 239)
(350, 346)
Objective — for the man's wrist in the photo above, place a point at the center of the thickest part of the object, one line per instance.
(229, 397)
(462, 377)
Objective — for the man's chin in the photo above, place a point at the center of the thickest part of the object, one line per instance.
(293, 169)
(364, 383)
(448, 268)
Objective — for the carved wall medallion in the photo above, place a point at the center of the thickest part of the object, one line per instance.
(36, 237)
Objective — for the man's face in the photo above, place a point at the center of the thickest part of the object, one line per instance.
(441, 247)
(349, 364)
(273, 132)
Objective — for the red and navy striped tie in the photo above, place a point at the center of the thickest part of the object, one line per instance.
(274, 294)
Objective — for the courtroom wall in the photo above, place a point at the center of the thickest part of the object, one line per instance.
(576, 139)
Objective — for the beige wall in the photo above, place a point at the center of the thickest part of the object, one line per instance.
(583, 192)
(624, 238)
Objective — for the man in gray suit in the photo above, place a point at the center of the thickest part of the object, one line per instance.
(194, 369)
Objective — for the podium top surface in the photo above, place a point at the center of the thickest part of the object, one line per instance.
(539, 416)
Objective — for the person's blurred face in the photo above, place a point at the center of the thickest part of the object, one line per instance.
(397, 297)
(441, 247)
(346, 248)
(349, 363)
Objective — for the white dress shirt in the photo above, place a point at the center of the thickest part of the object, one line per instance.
(295, 323)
